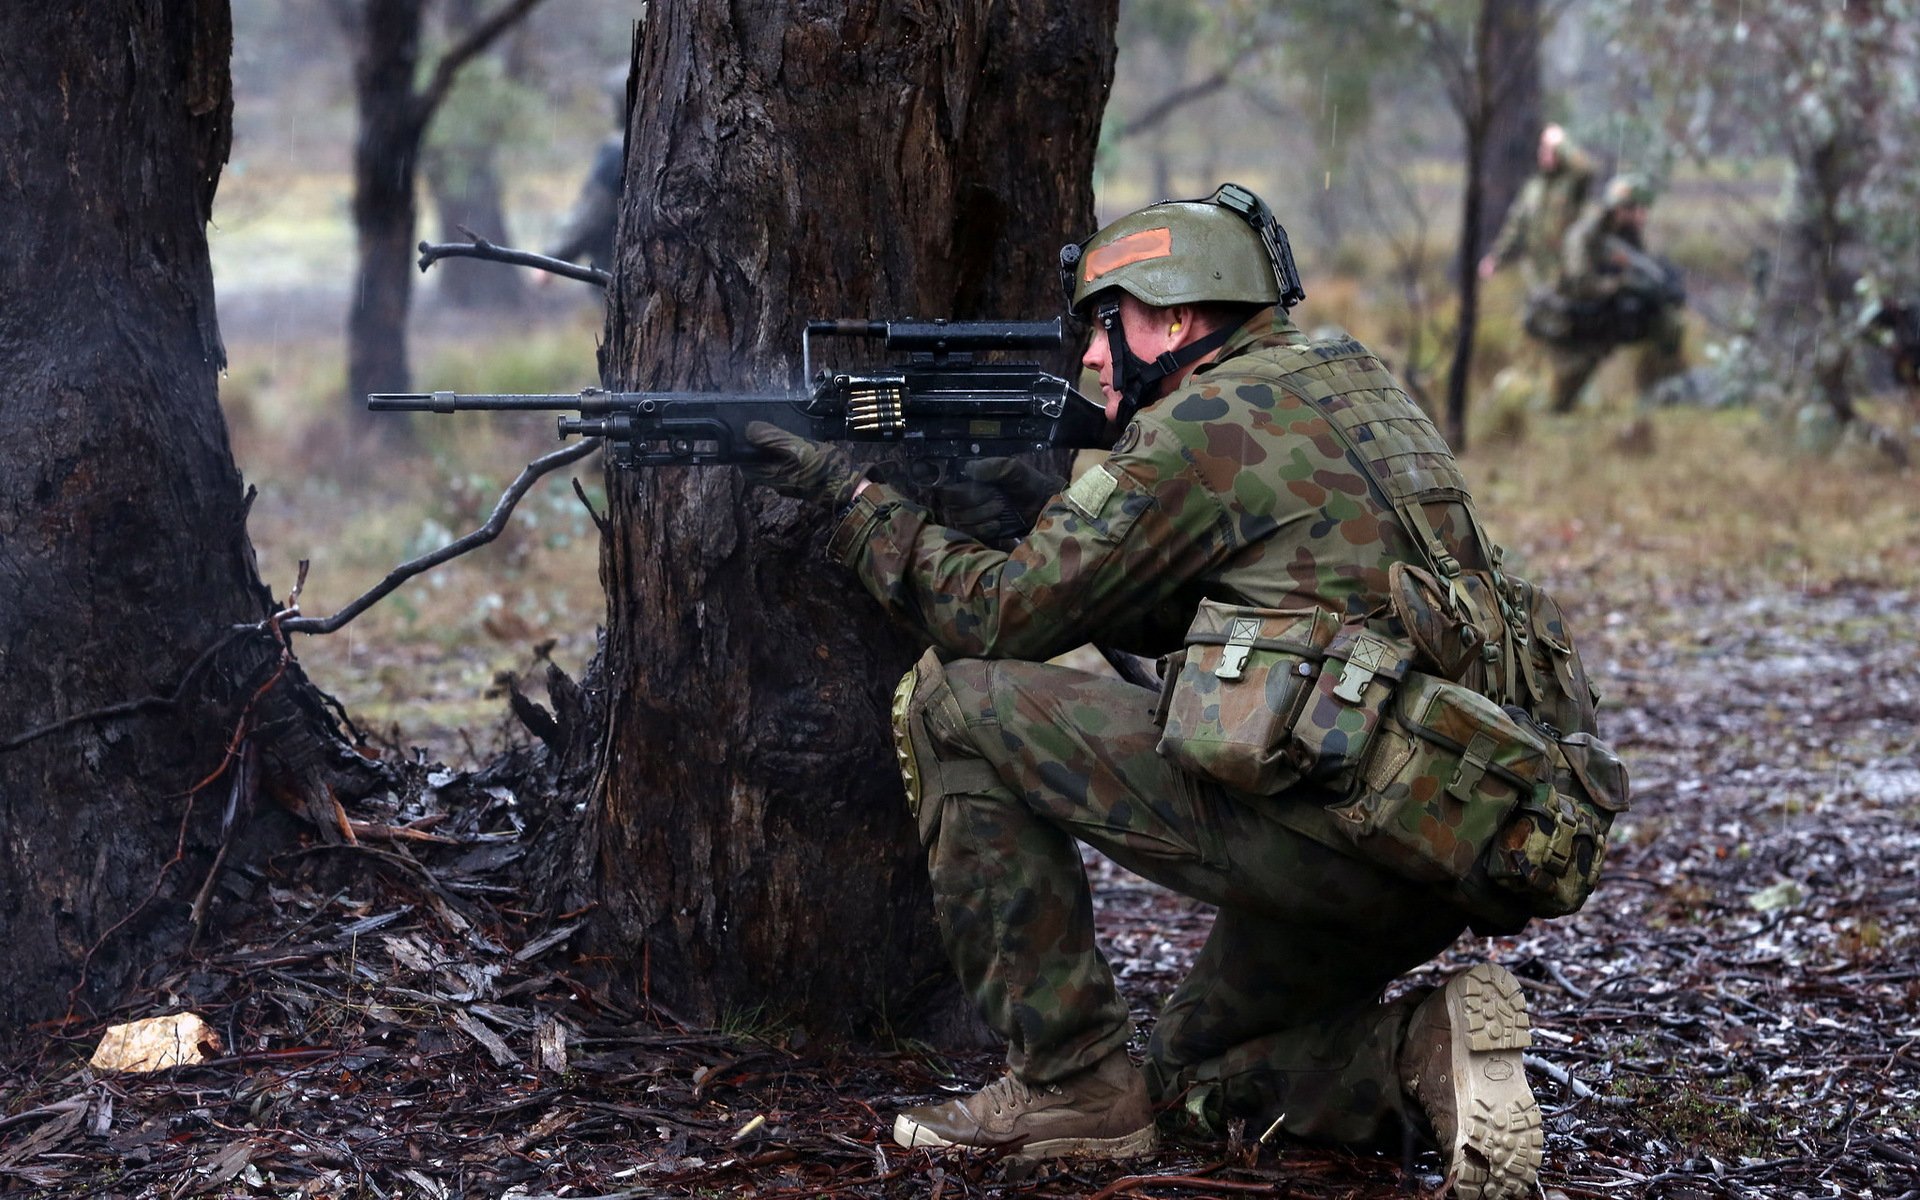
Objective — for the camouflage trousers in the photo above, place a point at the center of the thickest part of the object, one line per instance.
(1658, 356)
(1007, 763)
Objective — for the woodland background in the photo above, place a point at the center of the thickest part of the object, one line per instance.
(1736, 1014)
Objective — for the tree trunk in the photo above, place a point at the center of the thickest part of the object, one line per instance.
(750, 847)
(123, 548)
(1476, 105)
(385, 157)
(465, 183)
(1513, 131)
(466, 196)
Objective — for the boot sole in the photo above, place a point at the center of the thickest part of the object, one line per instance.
(1143, 1141)
(1497, 1144)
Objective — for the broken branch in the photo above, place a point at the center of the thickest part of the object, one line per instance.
(479, 537)
(479, 247)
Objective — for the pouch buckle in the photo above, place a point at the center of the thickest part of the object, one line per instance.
(1559, 854)
(1233, 656)
(1472, 768)
(1364, 661)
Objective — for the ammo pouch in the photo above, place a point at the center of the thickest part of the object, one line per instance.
(1231, 696)
(1262, 698)
(1550, 851)
(1509, 816)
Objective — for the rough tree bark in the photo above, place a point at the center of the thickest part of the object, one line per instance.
(748, 843)
(123, 548)
(394, 110)
(1513, 132)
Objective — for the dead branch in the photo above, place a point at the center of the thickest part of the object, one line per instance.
(426, 562)
(1567, 1082)
(479, 247)
(475, 42)
(1160, 110)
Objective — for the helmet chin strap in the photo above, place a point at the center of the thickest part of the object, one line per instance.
(1135, 378)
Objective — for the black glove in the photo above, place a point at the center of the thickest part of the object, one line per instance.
(796, 467)
(995, 500)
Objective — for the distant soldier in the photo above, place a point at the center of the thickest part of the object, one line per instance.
(588, 230)
(1894, 326)
(1609, 293)
(1546, 208)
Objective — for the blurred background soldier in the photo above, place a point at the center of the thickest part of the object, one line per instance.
(1546, 208)
(1893, 324)
(1609, 293)
(588, 231)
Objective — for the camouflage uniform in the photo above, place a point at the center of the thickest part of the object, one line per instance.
(1233, 488)
(1537, 224)
(1594, 272)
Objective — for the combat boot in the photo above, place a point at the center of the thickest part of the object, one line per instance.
(1461, 1064)
(1101, 1112)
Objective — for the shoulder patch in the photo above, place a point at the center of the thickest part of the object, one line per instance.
(1090, 493)
(1129, 438)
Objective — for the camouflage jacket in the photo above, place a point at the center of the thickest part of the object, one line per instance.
(1537, 224)
(1235, 488)
(1598, 259)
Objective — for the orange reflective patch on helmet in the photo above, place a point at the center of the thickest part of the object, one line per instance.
(1123, 252)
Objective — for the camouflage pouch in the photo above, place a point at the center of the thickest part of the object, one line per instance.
(1353, 689)
(1445, 775)
(1446, 640)
(1550, 853)
(1229, 707)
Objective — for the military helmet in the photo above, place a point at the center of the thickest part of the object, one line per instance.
(1226, 248)
(1628, 189)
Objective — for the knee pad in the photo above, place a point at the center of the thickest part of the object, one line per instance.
(932, 745)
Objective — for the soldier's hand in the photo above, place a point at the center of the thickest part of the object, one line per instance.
(802, 469)
(995, 500)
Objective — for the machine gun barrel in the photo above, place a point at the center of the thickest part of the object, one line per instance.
(935, 402)
(447, 402)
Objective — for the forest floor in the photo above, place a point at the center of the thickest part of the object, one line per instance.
(1736, 1013)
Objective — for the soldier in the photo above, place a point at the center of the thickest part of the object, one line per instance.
(1610, 293)
(1227, 482)
(1546, 208)
(587, 232)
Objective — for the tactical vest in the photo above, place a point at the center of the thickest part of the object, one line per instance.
(1456, 725)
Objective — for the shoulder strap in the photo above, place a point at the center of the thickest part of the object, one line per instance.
(1407, 464)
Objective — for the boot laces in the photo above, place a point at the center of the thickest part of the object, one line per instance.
(1007, 1092)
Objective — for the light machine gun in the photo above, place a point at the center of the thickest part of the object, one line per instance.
(937, 404)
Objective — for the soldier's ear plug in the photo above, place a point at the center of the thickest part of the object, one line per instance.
(1174, 328)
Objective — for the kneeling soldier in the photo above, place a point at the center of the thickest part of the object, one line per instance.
(1236, 492)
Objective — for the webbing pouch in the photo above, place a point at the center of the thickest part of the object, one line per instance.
(1229, 708)
(1550, 854)
(1353, 690)
(1445, 774)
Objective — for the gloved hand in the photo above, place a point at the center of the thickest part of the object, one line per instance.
(802, 469)
(995, 500)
